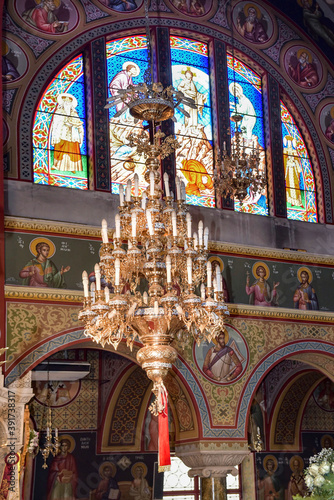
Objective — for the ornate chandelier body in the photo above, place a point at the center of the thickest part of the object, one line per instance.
(154, 264)
(239, 174)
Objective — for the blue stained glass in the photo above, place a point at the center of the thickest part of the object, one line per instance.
(250, 126)
(194, 159)
(125, 161)
(190, 58)
(250, 100)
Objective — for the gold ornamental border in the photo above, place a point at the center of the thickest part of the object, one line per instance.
(67, 229)
(280, 313)
(237, 310)
(49, 295)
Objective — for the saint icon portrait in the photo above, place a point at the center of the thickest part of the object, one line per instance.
(223, 361)
(302, 68)
(40, 271)
(139, 489)
(260, 292)
(108, 487)
(252, 24)
(63, 476)
(305, 297)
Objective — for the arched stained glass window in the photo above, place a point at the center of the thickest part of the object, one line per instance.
(59, 130)
(299, 178)
(245, 96)
(126, 64)
(194, 159)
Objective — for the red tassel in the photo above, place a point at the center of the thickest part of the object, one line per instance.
(164, 449)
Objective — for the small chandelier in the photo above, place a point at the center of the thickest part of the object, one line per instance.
(49, 446)
(239, 174)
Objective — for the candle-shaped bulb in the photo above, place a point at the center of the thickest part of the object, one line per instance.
(156, 308)
(166, 183)
(118, 226)
(183, 191)
(106, 294)
(200, 233)
(136, 182)
(97, 277)
(206, 237)
(195, 237)
(224, 146)
(189, 270)
(174, 223)
(56, 432)
(121, 195)
(169, 269)
(208, 273)
(188, 219)
(129, 245)
(104, 231)
(149, 222)
(134, 224)
(218, 278)
(85, 284)
(48, 432)
(117, 271)
(128, 190)
(202, 292)
(143, 202)
(178, 188)
(145, 298)
(151, 183)
(92, 292)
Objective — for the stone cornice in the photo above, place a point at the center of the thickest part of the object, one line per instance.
(67, 229)
(76, 296)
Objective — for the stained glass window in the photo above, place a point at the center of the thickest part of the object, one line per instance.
(299, 178)
(194, 159)
(126, 64)
(59, 130)
(245, 96)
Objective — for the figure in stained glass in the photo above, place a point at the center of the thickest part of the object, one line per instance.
(188, 87)
(67, 135)
(197, 177)
(293, 171)
(245, 108)
(123, 79)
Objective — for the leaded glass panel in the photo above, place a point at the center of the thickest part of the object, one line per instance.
(126, 64)
(245, 96)
(194, 159)
(177, 479)
(299, 178)
(59, 130)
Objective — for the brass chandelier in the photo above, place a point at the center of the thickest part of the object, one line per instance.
(155, 264)
(239, 174)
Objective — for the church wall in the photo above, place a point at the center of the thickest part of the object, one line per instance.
(77, 411)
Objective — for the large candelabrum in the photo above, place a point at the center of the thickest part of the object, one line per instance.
(163, 290)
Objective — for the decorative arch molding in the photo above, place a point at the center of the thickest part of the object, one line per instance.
(76, 338)
(258, 373)
(73, 46)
